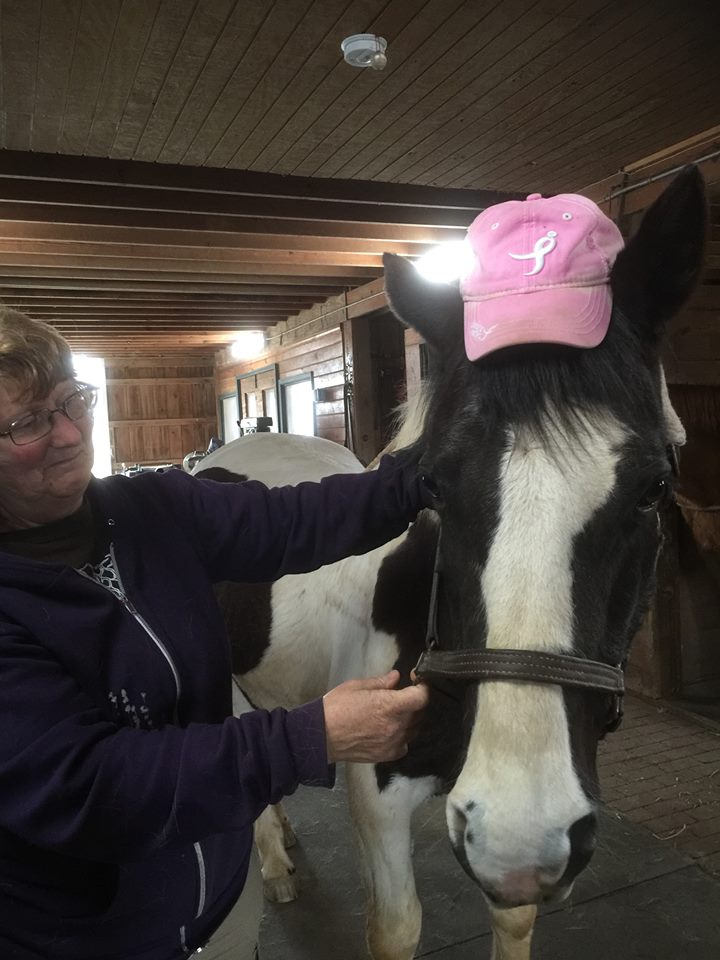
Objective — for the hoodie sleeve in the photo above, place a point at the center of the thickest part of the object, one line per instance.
(252, 533)
(74, 782)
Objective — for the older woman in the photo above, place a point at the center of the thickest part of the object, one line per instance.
(127, 791)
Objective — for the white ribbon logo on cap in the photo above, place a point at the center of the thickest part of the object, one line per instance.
(543, 246)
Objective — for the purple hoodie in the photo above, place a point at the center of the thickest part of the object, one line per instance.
(127, 791)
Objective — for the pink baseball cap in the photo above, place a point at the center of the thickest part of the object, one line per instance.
(540, 274)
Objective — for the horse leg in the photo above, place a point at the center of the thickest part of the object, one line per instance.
(273, 834)
(512, 932)
(382, 825)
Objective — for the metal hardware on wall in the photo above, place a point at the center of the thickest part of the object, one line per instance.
(628, 187)
(348, 398)
(348, 391)
(255, 425)
(324, 394)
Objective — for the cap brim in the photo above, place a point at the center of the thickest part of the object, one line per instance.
(573, 316)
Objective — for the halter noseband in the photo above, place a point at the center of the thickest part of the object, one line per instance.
(528, 666)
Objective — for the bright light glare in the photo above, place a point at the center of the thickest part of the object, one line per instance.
(248, 344)
(446, 263)
(92, 370)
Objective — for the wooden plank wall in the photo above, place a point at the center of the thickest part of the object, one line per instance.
(160, 408)
(677, 653)
(692, 353)
(322, 356)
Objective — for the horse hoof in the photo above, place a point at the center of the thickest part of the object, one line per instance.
(281, 889)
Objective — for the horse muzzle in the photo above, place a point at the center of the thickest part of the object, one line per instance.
(509, 880)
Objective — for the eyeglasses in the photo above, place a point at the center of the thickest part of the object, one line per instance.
(35, 426)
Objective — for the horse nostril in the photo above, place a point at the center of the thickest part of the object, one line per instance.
(583, 840)
(583, 833)
(457, 823)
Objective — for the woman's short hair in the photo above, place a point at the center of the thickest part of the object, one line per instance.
(32, 354)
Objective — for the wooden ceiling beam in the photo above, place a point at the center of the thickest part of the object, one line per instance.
(173, 311)
(259, 319)
(198, 240)
(143, 253)
(139, 256)
(37, 278)
(192, 223)
(247, 321)
(187, 268)
(122, 344)
(152, 299)
(142, 328)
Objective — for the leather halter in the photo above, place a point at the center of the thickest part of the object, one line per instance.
(524, 666)
(696, 508)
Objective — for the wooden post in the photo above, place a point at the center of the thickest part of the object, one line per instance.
(413, 362)
(358, 366)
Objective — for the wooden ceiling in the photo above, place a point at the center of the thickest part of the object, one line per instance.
(172, 171)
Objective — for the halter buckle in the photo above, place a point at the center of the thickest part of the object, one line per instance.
(617, 712)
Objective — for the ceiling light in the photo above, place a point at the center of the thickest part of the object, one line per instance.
(365, 50)
(446, 262)
(248, 344)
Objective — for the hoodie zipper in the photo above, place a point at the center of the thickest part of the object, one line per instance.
(127, 603)
(132, 610)
(163, 649)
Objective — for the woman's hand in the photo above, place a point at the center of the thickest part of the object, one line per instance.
(368, 721)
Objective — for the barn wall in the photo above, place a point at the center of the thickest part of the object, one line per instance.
(677, 653)
(159, 410)
(696, 585)
(322, 356)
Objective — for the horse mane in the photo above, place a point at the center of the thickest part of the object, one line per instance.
(410, 418)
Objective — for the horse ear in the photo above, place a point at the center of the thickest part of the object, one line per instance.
(658, 269)
(435, 310)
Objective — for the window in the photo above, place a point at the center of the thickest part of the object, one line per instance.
(298, 405)
(229, 417)
(92, 370)
(258, 388)
(270, 407)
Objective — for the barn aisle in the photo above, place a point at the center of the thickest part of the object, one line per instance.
(641, 898)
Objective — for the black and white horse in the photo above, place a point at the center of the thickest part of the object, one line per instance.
(548, 466)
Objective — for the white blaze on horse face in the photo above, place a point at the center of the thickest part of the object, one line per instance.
(518, 793)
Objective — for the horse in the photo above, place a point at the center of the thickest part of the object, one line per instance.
(548, 466)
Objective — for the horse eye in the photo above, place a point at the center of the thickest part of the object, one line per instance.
(432, 488)
(653, 495)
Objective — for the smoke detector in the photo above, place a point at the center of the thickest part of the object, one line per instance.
(365, 50)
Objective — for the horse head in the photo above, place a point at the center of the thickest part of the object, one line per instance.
(548, 465)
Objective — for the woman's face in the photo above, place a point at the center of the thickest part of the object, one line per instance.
(44, 480)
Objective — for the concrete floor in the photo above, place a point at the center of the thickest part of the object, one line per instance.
(661, 771)
(640, 899)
